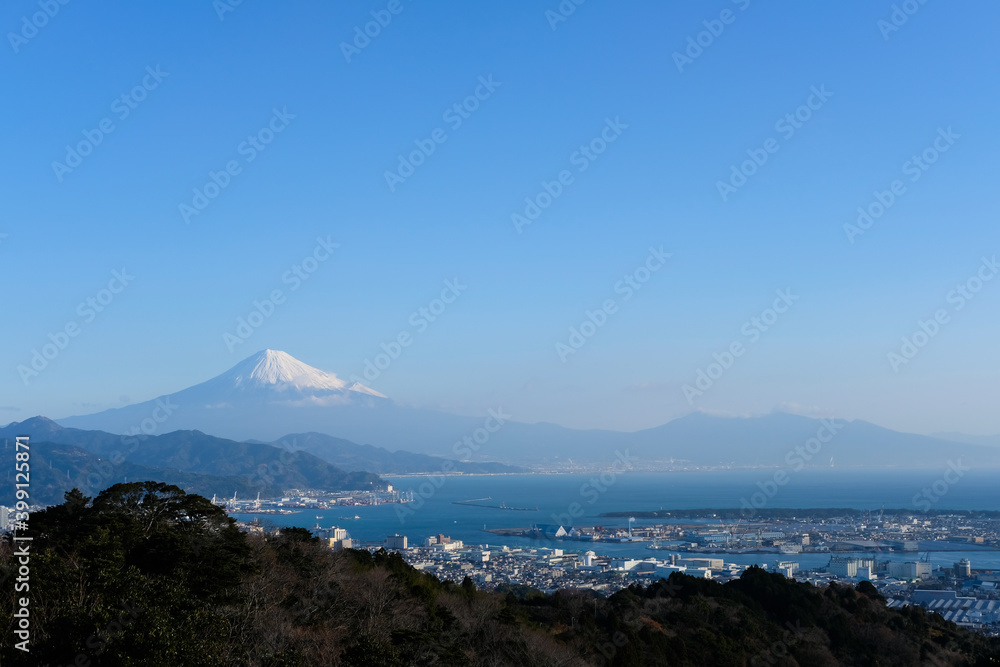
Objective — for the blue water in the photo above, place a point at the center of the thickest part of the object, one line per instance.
(555, 495)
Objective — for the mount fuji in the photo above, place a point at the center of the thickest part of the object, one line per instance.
(274, 377)
(271, 394)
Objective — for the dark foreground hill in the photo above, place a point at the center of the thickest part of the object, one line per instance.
(148, 575)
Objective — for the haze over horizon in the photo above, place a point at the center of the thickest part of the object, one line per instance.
(267, 370)
(642, 225)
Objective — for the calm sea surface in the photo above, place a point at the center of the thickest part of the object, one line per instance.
(434, 510)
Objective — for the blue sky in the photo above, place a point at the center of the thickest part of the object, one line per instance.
(556, 85)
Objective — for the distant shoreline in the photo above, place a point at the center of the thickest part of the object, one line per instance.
(787, 512)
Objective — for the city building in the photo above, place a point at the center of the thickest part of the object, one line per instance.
(449, 545)
(709, 563)
(787, 568)
(847, 567)
(908, 570)
(395, 542)
(339, 544)
(336, 538)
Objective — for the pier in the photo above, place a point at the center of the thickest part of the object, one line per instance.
(481, 502)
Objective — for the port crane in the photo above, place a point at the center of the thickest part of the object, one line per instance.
(731, 538)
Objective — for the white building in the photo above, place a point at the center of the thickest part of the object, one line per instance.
(634, 565)
(336, 538)
(787, 568)
(341, 543)
(710, 563)
(333, 533)
(909, 570)
(847, 568)
(625, 564)
(395, 542)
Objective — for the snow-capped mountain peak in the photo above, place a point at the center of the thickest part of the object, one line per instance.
(268, 390)
(273, 367)
(279, 374)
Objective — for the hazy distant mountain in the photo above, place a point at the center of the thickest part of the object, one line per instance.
(271, 393)
(793, 440)
(351, 456)
(261, 466)
(986, 440)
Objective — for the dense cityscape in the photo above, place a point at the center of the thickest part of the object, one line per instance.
(890, 550)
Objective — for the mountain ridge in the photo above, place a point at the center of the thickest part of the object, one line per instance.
(271, 394)
(189, 456)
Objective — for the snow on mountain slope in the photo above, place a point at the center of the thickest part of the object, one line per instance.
(264, 386)
(275, 376)
(273, 367)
